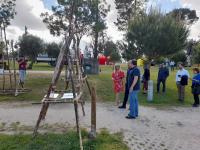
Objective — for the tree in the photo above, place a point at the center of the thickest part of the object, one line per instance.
(7, 12)
(110, 49)
(31, 46)
(127, 9)
(196, 54)
(88, 15)
(184, 14)
(99, 10)
(179, 57)
(83, 19)
(52, 49)
(156, 34)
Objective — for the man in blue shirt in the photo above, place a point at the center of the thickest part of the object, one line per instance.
(196, 87)
(123, 106)
(134, 87)
(163, 73)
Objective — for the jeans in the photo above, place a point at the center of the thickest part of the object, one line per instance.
(125, 96)
(196, 99)
(22, 75)
(163, 81)
(181, 91)
(133, 98)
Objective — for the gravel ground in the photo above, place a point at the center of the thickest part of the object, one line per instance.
(155, 129)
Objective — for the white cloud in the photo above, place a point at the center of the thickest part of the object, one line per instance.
(193, 4)
(112, 30)
(28, 14)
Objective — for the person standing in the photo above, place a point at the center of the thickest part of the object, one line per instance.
(118, 77)
(163, 73)
(134, 87)
(181, 81)
(126, 94)
(172, 64)
(196, 87)
(146, 78)
(22, 70)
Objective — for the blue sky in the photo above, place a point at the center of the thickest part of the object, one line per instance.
(49, 3)
(165, 5)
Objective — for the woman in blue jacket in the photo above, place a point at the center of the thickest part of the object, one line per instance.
(196, 87)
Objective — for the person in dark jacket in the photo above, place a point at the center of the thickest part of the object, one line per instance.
(163, 73)
(146, 78)
(196, 87)
(126, 95)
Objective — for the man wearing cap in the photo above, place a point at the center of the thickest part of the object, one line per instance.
(134, 87)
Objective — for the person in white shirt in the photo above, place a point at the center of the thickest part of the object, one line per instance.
(172, 63)
(181, 81)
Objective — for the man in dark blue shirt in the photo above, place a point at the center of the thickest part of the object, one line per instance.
(134, 87)
(163, 73)
(123, 106)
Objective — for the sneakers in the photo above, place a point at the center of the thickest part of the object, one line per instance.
(195, 105)
(122, 107)
(130, 117)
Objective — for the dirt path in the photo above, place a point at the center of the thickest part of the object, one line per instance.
(156, 129)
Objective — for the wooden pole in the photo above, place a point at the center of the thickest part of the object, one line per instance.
(14, 67)
(3, 67)
(92, 134)
(5, 38)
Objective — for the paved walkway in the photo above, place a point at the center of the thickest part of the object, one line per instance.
(156, 129)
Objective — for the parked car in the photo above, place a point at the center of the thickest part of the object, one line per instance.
(44, 58)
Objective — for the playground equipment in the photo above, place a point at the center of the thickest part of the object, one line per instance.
(8, 78)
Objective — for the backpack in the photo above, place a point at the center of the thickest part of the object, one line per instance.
(184, 80)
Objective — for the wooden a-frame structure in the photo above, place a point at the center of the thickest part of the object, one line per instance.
(74, 79)
(9, 78)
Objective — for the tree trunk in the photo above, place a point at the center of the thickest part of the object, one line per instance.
(96, 45)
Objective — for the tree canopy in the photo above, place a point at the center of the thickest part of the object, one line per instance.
(7, 12)
(58, 21)
(179, 57)
(155, 34)
(196, 53)
(110, 49)
(52, 49)
(88, 18)
(31, 46)
(184, 14)
(127, 9)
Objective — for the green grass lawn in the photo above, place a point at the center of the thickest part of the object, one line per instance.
(105, 91)
(39, 84)
(66, 141)
(36, 66)
(42, 67)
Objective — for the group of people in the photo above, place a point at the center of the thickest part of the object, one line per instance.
(182, 77)
(131, 86)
